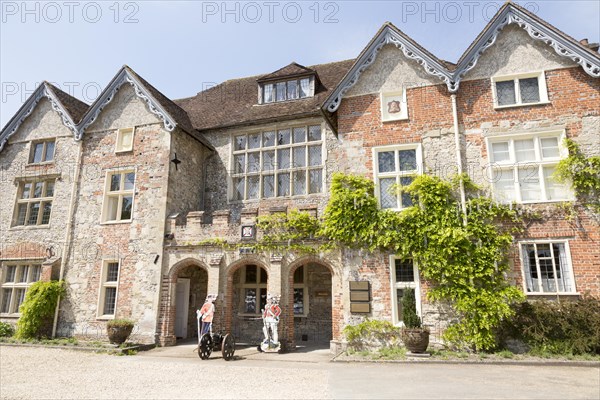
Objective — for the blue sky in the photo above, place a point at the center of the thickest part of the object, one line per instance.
(182, 47)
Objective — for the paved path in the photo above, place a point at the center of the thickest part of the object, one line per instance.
(178, 373)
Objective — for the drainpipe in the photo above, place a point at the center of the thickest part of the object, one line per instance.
(69, 231)
(463, 201)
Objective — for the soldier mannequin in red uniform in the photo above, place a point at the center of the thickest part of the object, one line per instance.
(270, 316)
(206, 313)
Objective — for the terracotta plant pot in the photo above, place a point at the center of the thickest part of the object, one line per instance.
(118, 333)
(416, 340)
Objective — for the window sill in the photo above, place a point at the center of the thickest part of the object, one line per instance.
(297, 197)
(541, 103)
(553, 294)
(4, 315)
(105, 317)
(40, 164)
(124, 151)
(536, 201)
(127, 221)
(27, 227)
(284, 101)
(250, 316)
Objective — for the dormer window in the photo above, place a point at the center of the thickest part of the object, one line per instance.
(291, 82)
(287, 90)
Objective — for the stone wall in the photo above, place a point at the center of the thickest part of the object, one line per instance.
(43, 243)
(135, 244)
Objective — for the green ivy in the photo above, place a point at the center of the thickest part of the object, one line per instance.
(296, 230)
(6, 329)
(38, 309)
(465, 265)
(371, 330)
(583, 173)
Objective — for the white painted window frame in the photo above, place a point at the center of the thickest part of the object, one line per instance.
(120, 193)
(119, 148)
(291, 169)
(261, 89)
(397, 173)
(537, 266)
(540, 75)
(385, 116)
(539, 163)
(13, 310)
(104, 284)
(416, 285)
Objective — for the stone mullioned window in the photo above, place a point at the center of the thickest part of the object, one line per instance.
(277, 163)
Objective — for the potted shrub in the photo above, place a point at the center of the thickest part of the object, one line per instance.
(414, 335)
(118, 330)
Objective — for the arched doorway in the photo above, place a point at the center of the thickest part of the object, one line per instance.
(185, 289)
(247, 289)
(191, 288)
(310, 300)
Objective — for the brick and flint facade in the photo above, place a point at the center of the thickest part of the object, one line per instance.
(129, 199)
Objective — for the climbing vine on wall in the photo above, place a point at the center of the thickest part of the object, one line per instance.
(38, 309)
(583, 173)
(465, 264)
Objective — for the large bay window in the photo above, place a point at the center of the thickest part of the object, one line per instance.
(277, 163)
(394, 168)
(547, 267)
(523, 167)
(16, 279)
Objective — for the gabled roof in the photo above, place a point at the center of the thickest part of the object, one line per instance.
(167, 111)
(68, 107)
(538, 29)
(235, 102)
(290, 70)
(388, 34)
(451, 74)
(75, 107)
(77, 115)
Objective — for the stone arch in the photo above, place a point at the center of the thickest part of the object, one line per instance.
(182, 264)
(228, 305)
(311, 259)
(168, 298)
(288, 306)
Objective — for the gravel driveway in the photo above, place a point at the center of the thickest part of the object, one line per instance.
(178, 373)
(63, 374)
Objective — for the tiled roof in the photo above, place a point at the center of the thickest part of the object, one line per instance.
(75, 107)
(292, 69)
(180, 116)
(235, 102)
